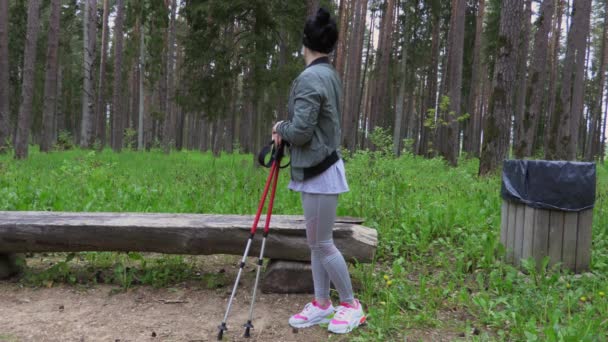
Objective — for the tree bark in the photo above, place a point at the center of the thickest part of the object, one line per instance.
(140, 125)
(554, 60)
(89, 34)
(592, 148)
(428, 119)
(379, 114)
(569, 104)
(535, 89)
(343, 36)
(497, 122)
(27, 89)
(454, 80)
(522, 72)
(474, 123)
(117, 113)
(400, 105)
(170, 122)
(352, 93)
(50, 80)
(100, 112)
(4, 78)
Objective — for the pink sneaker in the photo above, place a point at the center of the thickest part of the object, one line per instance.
(312, 314)
(347, 318)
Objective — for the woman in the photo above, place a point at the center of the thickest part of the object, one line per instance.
(317, 172)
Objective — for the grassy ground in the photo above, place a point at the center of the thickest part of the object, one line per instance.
(438, 264)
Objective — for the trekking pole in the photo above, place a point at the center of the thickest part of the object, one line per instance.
(223, 327)
(248, 326)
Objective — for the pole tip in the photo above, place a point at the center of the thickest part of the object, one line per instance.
(220, 334)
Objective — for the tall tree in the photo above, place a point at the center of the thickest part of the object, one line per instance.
(379, 111)
(89, 34)
(100, 112)
(522, 69)
(535, 89)
(428, 108)
(473, 142)
(554, 51)
(117, 112)
(592, 146)
(569, 104)
(140, 125)
(454, 80)
(169, 125)
(50, 80)
(4, 78)
(352, 94)
(497, 122)
(340, 56)
(27, 88)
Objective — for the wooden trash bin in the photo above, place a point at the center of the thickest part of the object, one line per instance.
(547, 211)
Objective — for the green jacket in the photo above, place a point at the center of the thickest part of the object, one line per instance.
(313, 129)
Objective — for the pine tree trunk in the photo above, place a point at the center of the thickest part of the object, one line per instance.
(473, 127)
(568, 109)
(497, 122)
(379, 98)
(27, 89)
(592, 147)
(363, 94)
(454, 80)
(431, 91)
(117, 112)
(4, 78)
(170, 122)
(549, 135)
(89, 34)
(140, 125)
(400, 105)
(50, 80)
(535, 89)
(522, 73)
(100, 112)
(352, 93)
(344, 34)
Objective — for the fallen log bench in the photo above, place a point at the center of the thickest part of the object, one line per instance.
(194, 234)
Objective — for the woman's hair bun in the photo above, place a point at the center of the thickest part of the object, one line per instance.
(320, 32)
(323, 16)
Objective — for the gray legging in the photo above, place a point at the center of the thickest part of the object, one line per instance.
(326, 260)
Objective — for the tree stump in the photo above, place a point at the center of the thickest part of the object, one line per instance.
(565, 237)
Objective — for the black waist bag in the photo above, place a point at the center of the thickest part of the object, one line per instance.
(311, 172)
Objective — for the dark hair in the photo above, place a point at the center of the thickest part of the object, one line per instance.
(320, 32)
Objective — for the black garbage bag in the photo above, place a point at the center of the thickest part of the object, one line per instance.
(552, 185)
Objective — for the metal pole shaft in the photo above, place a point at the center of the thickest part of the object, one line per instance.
(249, 325)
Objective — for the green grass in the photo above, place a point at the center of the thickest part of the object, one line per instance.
(438, 264)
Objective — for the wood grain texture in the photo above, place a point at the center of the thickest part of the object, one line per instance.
(570, 237)
(519, 234)
(540, 244)
(173, 234)
(528, 234)
(583, 248)
(556, 236)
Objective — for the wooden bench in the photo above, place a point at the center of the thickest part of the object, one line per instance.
(196, 234)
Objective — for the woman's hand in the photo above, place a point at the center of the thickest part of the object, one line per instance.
(276, 137)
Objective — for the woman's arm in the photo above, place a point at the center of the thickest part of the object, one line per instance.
(307, 103)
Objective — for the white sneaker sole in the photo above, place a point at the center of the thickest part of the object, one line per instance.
(346, 328)
(308, 324)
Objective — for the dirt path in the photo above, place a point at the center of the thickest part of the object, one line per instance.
(66, 313)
